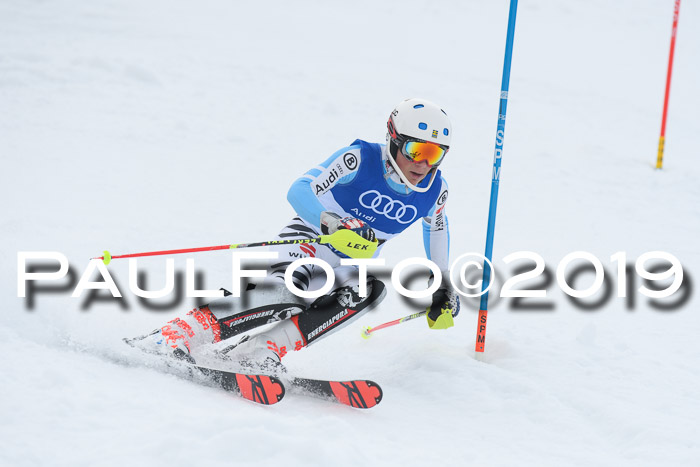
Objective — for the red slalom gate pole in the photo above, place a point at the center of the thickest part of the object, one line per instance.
(662, 138)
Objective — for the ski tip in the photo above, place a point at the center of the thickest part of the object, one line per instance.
(367, 332)
(378, 393)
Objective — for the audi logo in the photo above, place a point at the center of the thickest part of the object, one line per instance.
(388, 207)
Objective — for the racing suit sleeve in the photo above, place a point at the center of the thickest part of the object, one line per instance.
(305, 192)
(436, 233)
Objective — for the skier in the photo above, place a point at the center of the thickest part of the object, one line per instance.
(373, 191)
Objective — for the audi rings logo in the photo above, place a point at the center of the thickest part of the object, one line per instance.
(388, 207)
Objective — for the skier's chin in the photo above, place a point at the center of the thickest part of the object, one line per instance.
(415, 177)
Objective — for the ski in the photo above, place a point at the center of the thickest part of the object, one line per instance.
(269, 389)
(359, 393)
(263, 389)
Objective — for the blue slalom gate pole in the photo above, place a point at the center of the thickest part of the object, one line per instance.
(500, 135)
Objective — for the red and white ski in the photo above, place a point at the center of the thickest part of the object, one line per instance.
(359, 393)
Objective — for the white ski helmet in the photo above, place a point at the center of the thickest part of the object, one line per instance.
(418, 120)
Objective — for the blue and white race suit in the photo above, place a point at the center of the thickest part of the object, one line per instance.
(358, 181)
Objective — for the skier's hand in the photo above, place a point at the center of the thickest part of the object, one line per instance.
(332, 222)
(348, 237)
(445, 306)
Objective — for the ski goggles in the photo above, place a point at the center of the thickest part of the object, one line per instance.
(417, 150)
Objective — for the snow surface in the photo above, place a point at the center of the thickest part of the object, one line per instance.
(135, 126)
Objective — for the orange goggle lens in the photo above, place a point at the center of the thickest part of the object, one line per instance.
(418, 151)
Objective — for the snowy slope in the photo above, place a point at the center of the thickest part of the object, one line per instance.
(135, 126)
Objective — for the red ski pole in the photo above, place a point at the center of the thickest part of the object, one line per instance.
(109, 257)
(340, 237)
(367, 332)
